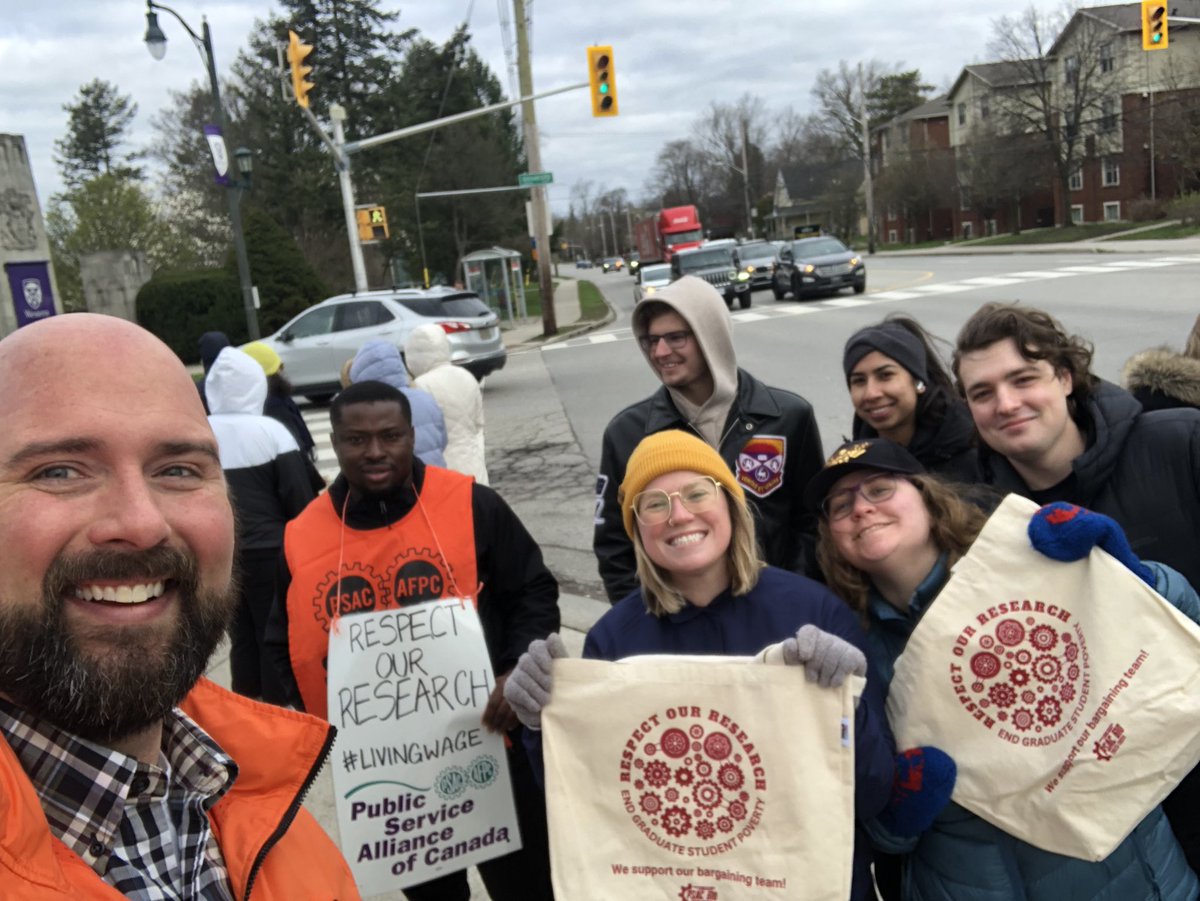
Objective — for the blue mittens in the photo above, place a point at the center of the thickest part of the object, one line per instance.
(921, 787)
(1066, 532)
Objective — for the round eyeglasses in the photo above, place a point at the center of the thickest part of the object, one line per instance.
(875, 489)
(674, 340)
(654, 506)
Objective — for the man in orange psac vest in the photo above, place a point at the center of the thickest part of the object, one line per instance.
(124, 773)
(392, 531)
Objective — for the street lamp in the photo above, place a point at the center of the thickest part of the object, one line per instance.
(156, 42)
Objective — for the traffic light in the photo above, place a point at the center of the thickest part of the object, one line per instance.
(296, 52)
(372, 223)
(1154, 25)
(602, 76)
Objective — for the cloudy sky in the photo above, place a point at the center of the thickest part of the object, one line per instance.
(671, 60)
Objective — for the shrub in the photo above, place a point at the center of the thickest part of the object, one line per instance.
(179, 307)
(1146, 210)
(1186, 209)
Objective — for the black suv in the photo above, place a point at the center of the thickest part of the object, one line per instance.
(821, 265)
(718, 265)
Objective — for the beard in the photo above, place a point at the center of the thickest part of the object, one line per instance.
(143, 670)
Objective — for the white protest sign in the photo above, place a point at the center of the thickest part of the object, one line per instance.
(422, 788)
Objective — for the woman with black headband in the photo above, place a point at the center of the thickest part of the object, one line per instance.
(901, 391)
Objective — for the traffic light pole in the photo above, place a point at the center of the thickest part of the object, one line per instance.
(338, 114)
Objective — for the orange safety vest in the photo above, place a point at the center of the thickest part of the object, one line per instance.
(391, 566)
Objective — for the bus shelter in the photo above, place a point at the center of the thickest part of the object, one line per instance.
(495, 275)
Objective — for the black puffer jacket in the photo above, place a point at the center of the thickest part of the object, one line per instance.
(1162, 379)
(1142, 469)
(944, 441)
(786, 530)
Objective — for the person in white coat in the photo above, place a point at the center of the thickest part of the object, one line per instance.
(427, 354)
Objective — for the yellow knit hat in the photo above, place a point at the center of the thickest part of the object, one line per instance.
(265, 356)
(671, 451)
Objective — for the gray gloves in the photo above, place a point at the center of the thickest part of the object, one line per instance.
(528, 686)
(827, 659)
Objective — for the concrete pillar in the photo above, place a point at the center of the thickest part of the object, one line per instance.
(22, 232)
(111, 281)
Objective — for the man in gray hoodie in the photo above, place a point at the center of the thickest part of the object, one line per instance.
(767, 436)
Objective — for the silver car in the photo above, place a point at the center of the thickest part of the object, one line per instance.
(316, 344)
(650, 278)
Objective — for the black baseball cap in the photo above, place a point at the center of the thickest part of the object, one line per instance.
(876, 453)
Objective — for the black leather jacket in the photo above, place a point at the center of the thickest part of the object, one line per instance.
(782, 420)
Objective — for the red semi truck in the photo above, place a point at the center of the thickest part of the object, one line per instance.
(672, 229)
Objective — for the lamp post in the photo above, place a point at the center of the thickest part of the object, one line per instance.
(156, 42)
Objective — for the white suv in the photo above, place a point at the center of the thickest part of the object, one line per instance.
(315, 345)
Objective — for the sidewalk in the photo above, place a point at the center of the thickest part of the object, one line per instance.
(529, 332)
(1103, 244)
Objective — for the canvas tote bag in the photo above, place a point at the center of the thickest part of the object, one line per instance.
(1067, 693)
(698, 779)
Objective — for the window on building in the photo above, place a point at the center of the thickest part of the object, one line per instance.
(1108, 114)
(962, 114)
(1112, 172)
(989, 228)
(1077, 214)
(892, 238)
(984, 107)
(1076, 181)
(1107, 64)
(1112, 211)
(1071, 69)
(966, 230)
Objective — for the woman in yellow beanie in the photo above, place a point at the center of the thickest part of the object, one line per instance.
(280, 406)
(705, 590)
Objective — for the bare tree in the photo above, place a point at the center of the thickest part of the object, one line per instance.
(837, 94)
(678, 175)
(995, 170)
(1061, 77)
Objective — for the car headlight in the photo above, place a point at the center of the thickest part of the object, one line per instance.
(649, 289)
(743, 276)
(808, 269)
(854, 261)
(749, 270)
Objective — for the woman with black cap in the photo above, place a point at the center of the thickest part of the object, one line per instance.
(901, 391)
(889, 534)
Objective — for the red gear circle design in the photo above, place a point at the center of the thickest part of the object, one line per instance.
(1023, 657)
(1028, 696)
(707, 794)
(650, 803)
(985, 665)
(1019, 677)
(674, 743)
(1071, 651)
(730, 777)
(725, 824)
(684, 776)
(658, 773)
(703, 768)
(696, 732)
(705, 829)
(1043, 637)
(1002, 695)
(1049, 711)
(1047, 668)
(1010, 632)
(718, 746)
(987, 642)
(1023, 719)
(676, 821)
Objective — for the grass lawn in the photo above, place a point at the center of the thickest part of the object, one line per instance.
(1062, 235)
(591, 304)
(1165, 231)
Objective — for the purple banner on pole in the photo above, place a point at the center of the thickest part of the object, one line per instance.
(220, 153)
(33, 298)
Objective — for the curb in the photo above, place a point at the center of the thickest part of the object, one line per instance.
(574, 330)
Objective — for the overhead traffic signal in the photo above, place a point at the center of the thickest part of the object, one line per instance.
(297, 51)
(1154, 25)
(602, 76)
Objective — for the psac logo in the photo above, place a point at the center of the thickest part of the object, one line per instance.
(1021, 671)
(412, 578)
(698, 893)
(760, 464)
(692, 781)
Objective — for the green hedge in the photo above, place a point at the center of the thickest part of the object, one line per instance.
(179, 307)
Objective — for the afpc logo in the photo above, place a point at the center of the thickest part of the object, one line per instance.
(692, 781)
(1021, 671)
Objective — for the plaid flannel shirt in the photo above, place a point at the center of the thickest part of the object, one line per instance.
(144, 829)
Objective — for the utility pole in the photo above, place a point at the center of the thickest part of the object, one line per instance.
(866, 151)
(337, 114)
(533, 156)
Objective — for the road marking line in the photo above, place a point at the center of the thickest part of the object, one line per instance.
(1085, 269)
(894, 295)
(749, 317)
(794, 310)
(949, 288)
(1195, 259)
(1041, 273)
(988, 281)
(847, 302)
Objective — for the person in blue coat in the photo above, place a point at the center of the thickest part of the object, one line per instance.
(705, 590)
(380, 361)
(889, 533)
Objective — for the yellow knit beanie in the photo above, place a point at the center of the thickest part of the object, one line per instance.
(264, 355)
(671, 451)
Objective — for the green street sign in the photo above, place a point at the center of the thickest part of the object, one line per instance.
(525, 179)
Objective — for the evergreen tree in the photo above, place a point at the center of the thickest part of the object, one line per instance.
(97, 125)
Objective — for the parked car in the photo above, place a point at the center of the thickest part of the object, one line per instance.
(315, 344)
(758, 259)
(717, 265)
(822, 265)
(583, 264)
(650, 278)
(612, 264)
